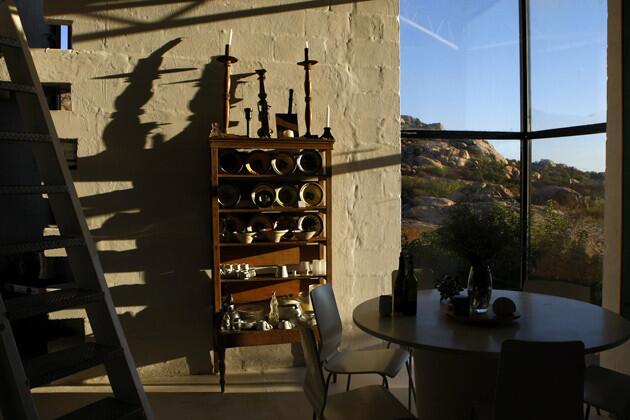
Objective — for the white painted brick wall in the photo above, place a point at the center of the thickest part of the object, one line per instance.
(155, 200)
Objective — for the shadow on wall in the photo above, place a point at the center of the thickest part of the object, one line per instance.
(178, 19)
(166, 213)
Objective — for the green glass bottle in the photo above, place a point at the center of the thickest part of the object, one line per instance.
(399, 284)
(410, 307)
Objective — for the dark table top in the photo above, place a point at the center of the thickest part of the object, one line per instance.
(543, 318)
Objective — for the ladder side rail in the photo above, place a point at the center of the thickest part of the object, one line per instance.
(85, 262)
(16, 401)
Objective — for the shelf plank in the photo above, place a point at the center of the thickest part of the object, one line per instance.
(270, 255)
(274, 244)
(315, 209)
(263, 144)
(259, 291)
(273, 279)
(274, 177)
(258, 338)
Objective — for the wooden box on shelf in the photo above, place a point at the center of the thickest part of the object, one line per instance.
(289, 251)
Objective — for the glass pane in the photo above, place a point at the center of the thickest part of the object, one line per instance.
(467, 186)
(568, 62)
(567, 227)
(459, 63)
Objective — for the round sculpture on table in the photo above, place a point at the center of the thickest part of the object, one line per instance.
(504, 307)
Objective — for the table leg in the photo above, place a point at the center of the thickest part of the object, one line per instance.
(221, 359)
(447, 383)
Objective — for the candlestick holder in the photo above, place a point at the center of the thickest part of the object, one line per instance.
(308, 114)
(264, 132)
(248, 120)
(327, 134)
(227, 60)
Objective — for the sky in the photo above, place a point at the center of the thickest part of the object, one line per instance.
(65, 36)
(460, 67)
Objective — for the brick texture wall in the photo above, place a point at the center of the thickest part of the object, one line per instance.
(145, 89)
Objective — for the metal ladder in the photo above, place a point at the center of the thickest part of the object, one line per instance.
(88, 290)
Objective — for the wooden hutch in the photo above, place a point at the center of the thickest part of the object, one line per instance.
(261, 253)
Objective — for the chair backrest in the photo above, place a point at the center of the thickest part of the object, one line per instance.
(328, 321)
(314, 386)
(540, 381)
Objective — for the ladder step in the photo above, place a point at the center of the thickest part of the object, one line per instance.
(49, 242)
(107, 409)
(12, 136)
(42, 303)
(16, 87)
(9, 42)
(32, 189)
(45, 369)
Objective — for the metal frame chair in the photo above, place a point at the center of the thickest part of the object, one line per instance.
(607, 390)
(370, 403)
(383, 362)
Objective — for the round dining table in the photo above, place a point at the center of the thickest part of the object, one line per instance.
(456, 362)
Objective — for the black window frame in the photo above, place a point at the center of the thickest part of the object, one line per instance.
(525, 135)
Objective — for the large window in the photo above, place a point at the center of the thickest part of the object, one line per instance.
(503, 132)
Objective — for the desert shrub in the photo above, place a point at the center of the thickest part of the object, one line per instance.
(486, 169)
(549, 230)
(594, 207)
(559, 248)
(470, 235)
(415, 186)
(439, 171)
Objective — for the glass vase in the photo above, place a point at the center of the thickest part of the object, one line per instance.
(479, 288)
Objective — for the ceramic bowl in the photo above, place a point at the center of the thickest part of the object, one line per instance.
(274, 236)
(302, 235)
(286, 222)
(311, 222)
(312, 194)
(258, 162)
(283, 163)
(245, 237)
(287, 196)
(309, 162)
(259, 222)
(230, 161)
(229, 224)
(228, 195)
(263, 196)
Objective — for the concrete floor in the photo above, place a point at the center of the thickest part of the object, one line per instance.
(274, 395)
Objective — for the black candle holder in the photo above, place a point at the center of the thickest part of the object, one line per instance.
(308, 114)
(248, 120)
(327, 134)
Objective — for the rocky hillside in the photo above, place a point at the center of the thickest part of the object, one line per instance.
(566, 234)
(440, 173)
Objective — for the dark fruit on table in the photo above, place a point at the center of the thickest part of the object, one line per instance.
(504, 306)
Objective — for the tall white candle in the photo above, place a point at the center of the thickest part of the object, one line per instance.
(328, 116)
(230, 38)
(307, 44)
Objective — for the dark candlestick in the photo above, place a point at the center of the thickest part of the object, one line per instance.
(327, 134)
(248, 119)
(308, 115)
(227, 60)
(263, 107)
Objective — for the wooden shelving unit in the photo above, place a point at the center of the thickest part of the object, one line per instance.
(259, 289)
